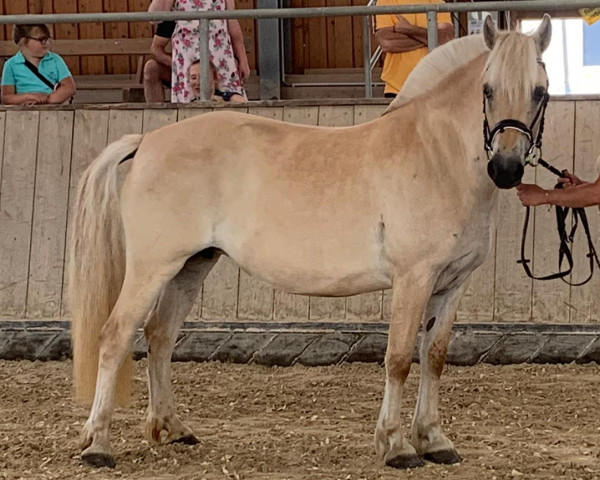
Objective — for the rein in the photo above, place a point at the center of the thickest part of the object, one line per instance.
(564, 250)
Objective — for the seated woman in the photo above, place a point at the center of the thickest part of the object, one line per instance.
(35, 75)
(218, 95)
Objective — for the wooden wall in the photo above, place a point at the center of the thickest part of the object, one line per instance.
(36, 196)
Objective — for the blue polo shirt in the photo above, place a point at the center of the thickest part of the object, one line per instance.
(51, 66)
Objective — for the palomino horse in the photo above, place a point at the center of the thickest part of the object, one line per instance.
(404, 201)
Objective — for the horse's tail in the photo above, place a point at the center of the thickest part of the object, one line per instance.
(97, 267)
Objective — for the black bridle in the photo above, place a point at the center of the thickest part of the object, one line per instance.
(533, 157)
(510, 123)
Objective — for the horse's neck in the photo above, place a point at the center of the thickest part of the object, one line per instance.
(452, 115)
(455, 115)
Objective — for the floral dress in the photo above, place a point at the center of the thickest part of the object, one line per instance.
(186, 40)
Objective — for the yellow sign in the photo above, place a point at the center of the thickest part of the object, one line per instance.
(590, 15)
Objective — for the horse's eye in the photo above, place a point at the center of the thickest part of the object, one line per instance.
(539, 93)
(487, 91)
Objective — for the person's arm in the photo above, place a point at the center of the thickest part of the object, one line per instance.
(445, 31)
(578, 196)
(9, 97)
(160, 5)
(64, 92)
(237, 42)
(391, 41)
(158, 50)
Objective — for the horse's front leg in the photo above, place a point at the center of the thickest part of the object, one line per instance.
(410, 293)
(427, 436)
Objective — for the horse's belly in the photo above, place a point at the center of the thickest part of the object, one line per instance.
(296, 268)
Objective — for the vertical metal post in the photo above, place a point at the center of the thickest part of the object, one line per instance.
(205, 93)
(269, 54)
(432, 30)
(367, 56)
(456, 22)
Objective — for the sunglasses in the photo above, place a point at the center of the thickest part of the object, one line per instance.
(42, 40)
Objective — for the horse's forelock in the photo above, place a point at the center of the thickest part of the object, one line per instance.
(513, 65)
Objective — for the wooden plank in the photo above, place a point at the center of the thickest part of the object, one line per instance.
(90, 65)
(116, 64)
(585, 300)
(44, 293)
(477, 304)
(108, 46)
(16, 209)
(220, 291)
(90, 134)
(122, 122)
(367, 113)
(357, 36)
(299, 30)
(248, 30)
(512, 296)
(138, 29)
(13, 7)
(315, 48)
(153, 119)
(63, 31)
(185, 113)
(551, 299)
(336, 116)
(339, 38)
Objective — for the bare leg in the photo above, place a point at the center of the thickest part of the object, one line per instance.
(138, 297)
(410, 295)
(427, 436)
(161, 335)
(154, 74)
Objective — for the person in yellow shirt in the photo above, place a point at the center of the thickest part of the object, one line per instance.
(403, 39)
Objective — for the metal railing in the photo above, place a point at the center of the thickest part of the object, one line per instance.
(431, 10)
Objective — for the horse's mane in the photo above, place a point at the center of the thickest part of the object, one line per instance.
(435, 66)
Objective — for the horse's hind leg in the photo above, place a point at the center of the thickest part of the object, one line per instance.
(409, 298)
(427, 436)
(139, 295)
(161, 334)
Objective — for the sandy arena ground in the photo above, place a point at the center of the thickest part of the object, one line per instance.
(515, 422)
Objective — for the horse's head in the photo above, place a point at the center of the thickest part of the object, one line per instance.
(515, 94)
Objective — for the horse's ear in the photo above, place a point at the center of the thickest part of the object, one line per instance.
(489, 32)
(543, 34)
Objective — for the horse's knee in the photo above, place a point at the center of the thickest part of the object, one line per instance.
(398, 365)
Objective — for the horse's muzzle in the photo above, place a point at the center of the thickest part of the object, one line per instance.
(505, 172)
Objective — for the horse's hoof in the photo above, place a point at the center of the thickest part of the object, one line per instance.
(189, 439)
(404, 462)
(446, 457)
(98, 460)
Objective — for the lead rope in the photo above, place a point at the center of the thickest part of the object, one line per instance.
(564, 251)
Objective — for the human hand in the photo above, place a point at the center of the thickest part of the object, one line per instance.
(36, 99)
(569, 180)
(531, 195)
(402, 24)
(244, 71)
